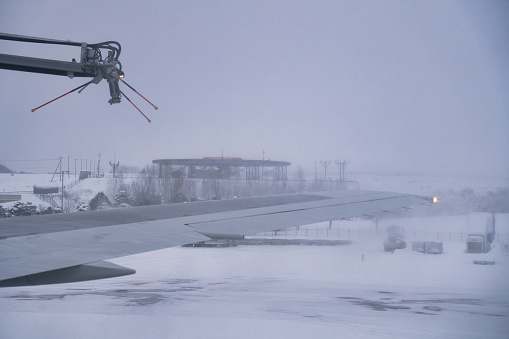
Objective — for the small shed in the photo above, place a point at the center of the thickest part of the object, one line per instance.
(85, 174)
(45, 190)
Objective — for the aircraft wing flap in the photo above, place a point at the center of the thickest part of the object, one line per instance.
(269, 219)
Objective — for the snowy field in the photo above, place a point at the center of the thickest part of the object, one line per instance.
(24, 183)
(274, 292)
(349, 291)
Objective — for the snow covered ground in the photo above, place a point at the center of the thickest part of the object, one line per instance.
(24, 184)
(355, 290)
(346, 291)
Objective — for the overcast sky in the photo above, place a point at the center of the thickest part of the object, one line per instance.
(394, 86)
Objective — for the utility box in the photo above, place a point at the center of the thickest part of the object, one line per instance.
(419, 246)
(430, 247)
(434, 247)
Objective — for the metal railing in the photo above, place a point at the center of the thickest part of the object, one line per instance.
(358, 233)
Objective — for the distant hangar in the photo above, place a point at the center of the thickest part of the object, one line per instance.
(224, 168)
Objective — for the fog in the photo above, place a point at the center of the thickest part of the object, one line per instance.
(394, 86)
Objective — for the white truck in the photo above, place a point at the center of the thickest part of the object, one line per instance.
(481, 232)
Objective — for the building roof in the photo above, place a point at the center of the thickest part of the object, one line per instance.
(222, 161)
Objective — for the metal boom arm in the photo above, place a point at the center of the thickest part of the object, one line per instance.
(44, 66)
(91, 62)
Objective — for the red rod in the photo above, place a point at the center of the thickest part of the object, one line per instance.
(135, 106)
(63, 95)
(138, 93)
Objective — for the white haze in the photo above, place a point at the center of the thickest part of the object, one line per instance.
(394, 86)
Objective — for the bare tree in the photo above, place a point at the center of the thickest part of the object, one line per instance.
(145, 189)
(300, 179)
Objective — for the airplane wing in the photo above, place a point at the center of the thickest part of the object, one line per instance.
(71, 247)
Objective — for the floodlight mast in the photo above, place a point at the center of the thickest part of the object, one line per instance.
(91, 65)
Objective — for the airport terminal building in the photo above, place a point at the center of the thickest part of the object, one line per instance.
(224, 168)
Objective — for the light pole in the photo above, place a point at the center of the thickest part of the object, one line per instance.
(325, 164)
(68, 169)
(63, 189)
